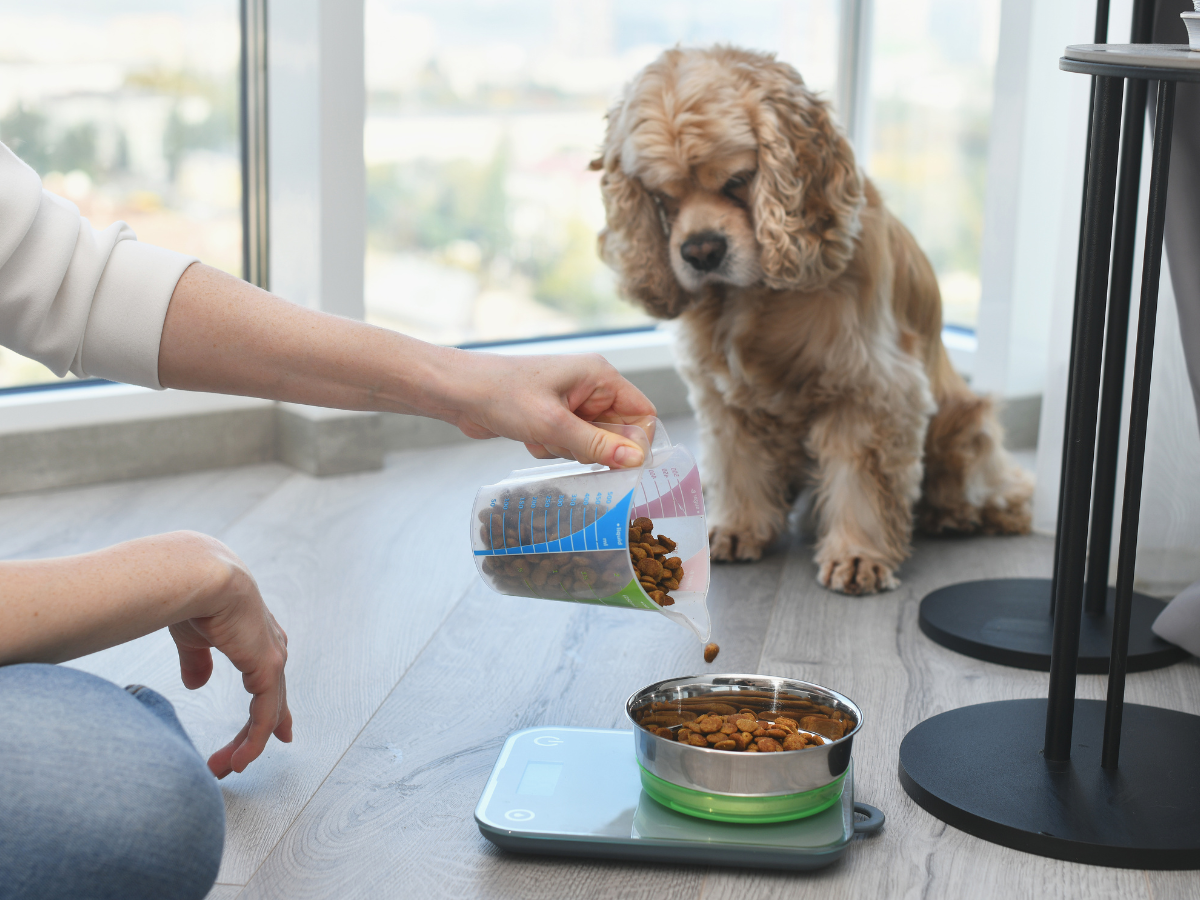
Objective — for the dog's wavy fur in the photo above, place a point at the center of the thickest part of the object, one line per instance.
(813, 353)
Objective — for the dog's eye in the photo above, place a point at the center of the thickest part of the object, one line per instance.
(668, 204)
(737, 188)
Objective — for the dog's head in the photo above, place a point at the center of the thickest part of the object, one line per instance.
(720, 166)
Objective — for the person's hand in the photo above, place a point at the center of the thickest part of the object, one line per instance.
(236, 622)
(548, 403)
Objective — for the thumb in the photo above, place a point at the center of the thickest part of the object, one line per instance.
(590, 444)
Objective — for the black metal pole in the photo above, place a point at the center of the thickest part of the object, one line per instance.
(1100, 36)
(1062, 465)
(1156, 215)
(1101, 33)
(1071, 548)
(1117, 330)
(1115, 339)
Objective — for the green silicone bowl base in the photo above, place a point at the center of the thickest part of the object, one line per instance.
(745, 810)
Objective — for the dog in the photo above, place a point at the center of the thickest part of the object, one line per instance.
(809, 321)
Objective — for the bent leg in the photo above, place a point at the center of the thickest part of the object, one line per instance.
(972, 484)
(104, 796)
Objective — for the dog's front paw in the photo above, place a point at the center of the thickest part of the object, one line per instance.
(734, 545)
(857, 575)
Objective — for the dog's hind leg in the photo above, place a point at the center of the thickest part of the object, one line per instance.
(972, 485)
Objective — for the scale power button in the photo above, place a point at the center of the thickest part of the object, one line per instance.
(519, 815)
(547, 741)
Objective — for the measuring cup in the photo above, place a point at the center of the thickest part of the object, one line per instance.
(561, 531)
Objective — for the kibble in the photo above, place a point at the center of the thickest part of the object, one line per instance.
(657, 573)
(710, 652)
(539, 516)
(765, 724)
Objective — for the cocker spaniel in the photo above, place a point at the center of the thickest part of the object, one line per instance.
(809, 320)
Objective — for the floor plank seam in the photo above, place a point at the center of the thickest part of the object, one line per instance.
(762, 647)
(358, 734)
(261, 500)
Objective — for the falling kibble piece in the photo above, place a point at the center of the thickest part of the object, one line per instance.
(710, 652)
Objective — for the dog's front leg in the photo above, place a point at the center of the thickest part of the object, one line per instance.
(868, 478)
(746, 490)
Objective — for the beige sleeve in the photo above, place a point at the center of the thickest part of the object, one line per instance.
(72, 297)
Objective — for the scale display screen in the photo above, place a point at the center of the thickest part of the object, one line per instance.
(539, 779)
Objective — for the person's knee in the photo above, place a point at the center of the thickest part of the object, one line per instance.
(104, 796)
(173, 828)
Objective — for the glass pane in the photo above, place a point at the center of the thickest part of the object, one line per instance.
(931, 92)
(129, 108)
(482, 116)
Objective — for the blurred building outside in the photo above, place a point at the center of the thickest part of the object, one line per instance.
(130, 110)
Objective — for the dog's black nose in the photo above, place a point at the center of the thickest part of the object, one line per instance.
(704, 251)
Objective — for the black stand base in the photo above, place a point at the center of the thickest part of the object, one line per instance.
(1007, 621)
(980, 769)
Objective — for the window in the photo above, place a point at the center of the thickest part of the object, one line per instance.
(482, 116)
(129, 108)
(931, 101)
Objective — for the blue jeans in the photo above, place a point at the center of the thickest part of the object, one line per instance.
(102, 795)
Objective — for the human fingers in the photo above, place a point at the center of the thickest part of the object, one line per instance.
(578, 439)
(219, 763)
(268, 713)
(195, 666)
(595, 389)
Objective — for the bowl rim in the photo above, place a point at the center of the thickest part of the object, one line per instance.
(680, 681)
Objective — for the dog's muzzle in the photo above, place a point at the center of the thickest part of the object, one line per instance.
(704, 251)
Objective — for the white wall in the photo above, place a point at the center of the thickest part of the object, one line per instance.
(1044, 254)
(317, 187)
(1034, 189)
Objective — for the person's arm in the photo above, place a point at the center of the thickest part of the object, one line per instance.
(60, 609)
(224, 335)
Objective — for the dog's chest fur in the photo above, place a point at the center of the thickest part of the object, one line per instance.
(782, 356)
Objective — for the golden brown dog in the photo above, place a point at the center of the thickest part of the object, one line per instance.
(809, 320)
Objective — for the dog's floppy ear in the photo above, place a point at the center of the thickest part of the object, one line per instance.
(807, 193)
(635, 241)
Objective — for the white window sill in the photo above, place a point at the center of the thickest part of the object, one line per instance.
(99, 404)
(68, 407)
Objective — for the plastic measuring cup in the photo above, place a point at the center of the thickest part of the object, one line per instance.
(561, 531)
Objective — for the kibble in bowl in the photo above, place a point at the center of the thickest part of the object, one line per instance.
(743, 748)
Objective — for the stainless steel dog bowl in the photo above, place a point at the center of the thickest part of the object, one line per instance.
(740, 787)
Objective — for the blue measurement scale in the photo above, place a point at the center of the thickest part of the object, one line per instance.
(576, 792)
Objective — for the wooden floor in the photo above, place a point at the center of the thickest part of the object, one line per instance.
(406, 674)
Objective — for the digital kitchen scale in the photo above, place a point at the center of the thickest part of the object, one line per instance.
(577, 792)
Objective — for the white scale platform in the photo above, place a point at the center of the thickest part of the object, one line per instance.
(576, 792)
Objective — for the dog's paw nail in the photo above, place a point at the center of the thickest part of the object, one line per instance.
(727, 545)
(856, 576)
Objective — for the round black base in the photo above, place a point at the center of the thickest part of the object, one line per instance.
(980, 768)
(1007, 621)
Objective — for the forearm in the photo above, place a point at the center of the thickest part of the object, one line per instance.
(226, 336)
(59, 609)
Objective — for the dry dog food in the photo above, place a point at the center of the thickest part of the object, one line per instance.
(572, 576)
(710, 652)
(657, 573)
(748, 724)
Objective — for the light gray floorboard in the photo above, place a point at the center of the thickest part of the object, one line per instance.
(406, 674)
(396, 814)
